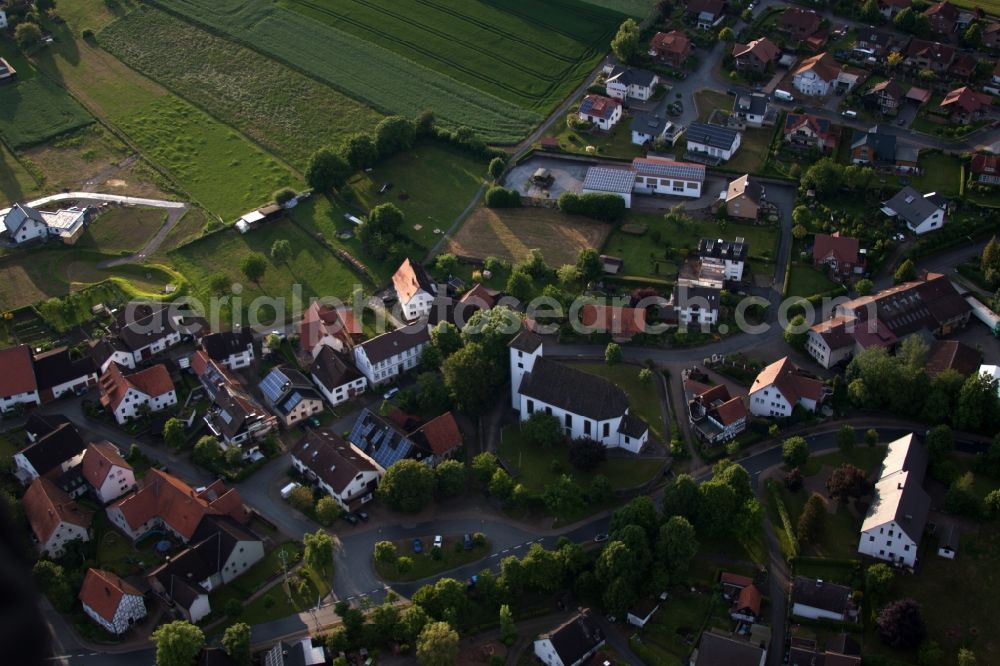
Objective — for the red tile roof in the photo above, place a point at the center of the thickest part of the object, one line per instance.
(98, 460)
(804, 21)
(966, 99)
(735, 580)
(18, 374)
(102, 591)
(952, 355)
(46, 507)
(319, 321)
(763, 49)
(823, 64)
(670, 42)
(986, 163)
(750, 597)
(482, 296)
(842, 248)
(441, 434)
(177, 504)
(599, 106)
(620, 321)
(152, 381)
(410, 278)
(784, 375)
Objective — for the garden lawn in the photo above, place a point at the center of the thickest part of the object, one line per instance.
(259, 574)
(381, 78)
(313, 267)
(683, 614)
(615, 143)
(529, 53)
(754, 149)
(125, 229)
(840, 532)
(536, 468)
(868, 458)
(282, 601)
(707, 101)
(942, 174)
(432, 184)
(34, 110)
(424, 564)
(10, 442)
(643, 399)
(189, 228)
(16, 182)
(278, 107)
(806, 281)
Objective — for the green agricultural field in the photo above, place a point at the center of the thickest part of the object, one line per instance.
(16, 182)
(359, 68)
(35, 110)
(123, 230)
(312, 266)
(283, 110)
(636, 8)
(529, 53)
(217, 166)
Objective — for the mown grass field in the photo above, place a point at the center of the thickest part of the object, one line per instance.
(529, 53)
(286, 112)
(359, 68)
(509, 234)
(637, 8)
(806, 281)
(123, 229)
(643, 399)
(35, 110)
(16, 182)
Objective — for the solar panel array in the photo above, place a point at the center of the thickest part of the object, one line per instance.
(376, 438)
(683, 170)
(274, 385)
(609, 180)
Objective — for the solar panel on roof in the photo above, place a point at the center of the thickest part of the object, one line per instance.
(273, 385)
(289, 404)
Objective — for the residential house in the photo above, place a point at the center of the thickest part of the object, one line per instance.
(716, 416)
(963, 67)
(51, 455)
(879, 149)
(600, 111)
(746, 606)
(221, 550)
(942, 17)
(656, 175)
(642, 612)
(841, 650)
(385, 356)
(889, 8)
(730, 256)
(38, 425)
(231, 349)
(924, 54)
(647, 127)
(440, 436)
(929, 303)
(22, 224)
(111, 602)
(744, 197)
(670, 48)
(147, 329)
(715, 649)
(621, 323)
(414, 288)
(606, 180)
(336, 377)
(57, 373)
(886, 97)
(629, 83)
(106, 471)
(129, 396)
(54, 517)
(299, 653)
(385, 440)
(803, 25)
(732, 584)
(572, 643)
(164, 502)
(821, 75)
(841, 255)
(327, 326)
(820, 600)
(964, 105)
(898, 512)
(780, 387)
(756, 57)
(920, 212)
(752, 109)
(336, 466)
(878, 42)
(235, 418)
(290, 395)
(985, 169)
(714, 141)
(839, 338)
(18, 386)
(612, 265)
(110, 350)
(695, 303)
(946, 355)
(586, 405)
(706, 14)
(811, 132)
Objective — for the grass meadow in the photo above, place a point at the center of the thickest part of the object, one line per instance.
(636, 8)
(529, 53)
(288, 113)
(35, 110)
(359, 68)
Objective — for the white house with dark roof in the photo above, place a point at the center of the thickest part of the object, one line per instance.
(51, 454)
(752, 109)
(24, 224)
(821, 600)
(731, 256)
(572, 643)
(58, 373)
(714, 141)
(898, 513)
(630, 83)
(647, 127)
(386, 356)
(340, 469)
(232, 349)
(920, 212)
(146, 329)
(586, 405)
(336, 378)
(656, 175)
(608, 180)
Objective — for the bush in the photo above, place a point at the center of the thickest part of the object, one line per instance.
(501, 197)
(604, 207)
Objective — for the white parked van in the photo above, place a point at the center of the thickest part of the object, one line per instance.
(286, 492)
(850, 114)
(784, 96)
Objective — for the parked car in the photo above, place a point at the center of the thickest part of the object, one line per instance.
(438, 541)
(600, 538)
(363, 515)
(390, 393)
(467, 541)
(350, 517)
(286, 492)
(418, 546)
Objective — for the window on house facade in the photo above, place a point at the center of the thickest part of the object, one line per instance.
(586, 427)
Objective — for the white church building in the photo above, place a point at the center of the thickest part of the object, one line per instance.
(585, 404)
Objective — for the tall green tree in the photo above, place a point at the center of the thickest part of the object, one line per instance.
(471, 378)
(327, 170)
(236, 643)
(360, 151)
(177, 643)
(437, 645)
(450, 478)
(281, 251)
(318, 551)
(812, 520)
(676, 546)
(446, 337)
(508, 632)
(906, 271)
(254, 266)
(394, 134)
(407, 486)
(846, 439)
(173, 433)
(589, 264)
(625, 44)
(613, 354)
(795, 451)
